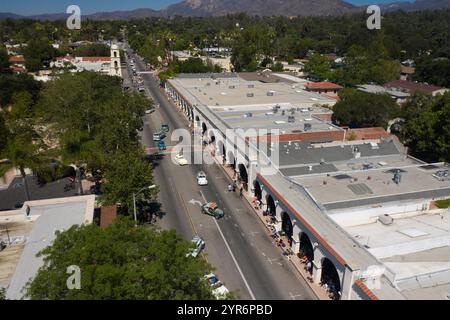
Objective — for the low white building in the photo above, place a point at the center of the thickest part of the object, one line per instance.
(31, 229)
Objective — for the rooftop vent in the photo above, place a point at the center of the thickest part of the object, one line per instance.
(442, 175)
(250, 95)
(386, 219)
(232, 87)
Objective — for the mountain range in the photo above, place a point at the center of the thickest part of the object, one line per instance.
(253, 7)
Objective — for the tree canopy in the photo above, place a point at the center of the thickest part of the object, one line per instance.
(434, 71)
(97, 125)
(358, 109)
(120, 262)
(93, 50)
(427, 127)
(38, 53)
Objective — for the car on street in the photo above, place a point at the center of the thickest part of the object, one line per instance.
(199, 246)
(218, 288)
(159, 136)
(201, 179)
(165, 127)
(141, 89)
(213, 210)
(181, 160)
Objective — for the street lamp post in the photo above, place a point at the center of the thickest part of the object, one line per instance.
(134, 202)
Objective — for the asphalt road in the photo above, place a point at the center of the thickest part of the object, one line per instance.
(245, 258)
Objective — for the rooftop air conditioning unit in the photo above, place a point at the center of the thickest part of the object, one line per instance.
(386, 219)
(251, 85)
(270, 93)
(250, 95)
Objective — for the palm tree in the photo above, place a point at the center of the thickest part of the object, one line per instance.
(23, 154)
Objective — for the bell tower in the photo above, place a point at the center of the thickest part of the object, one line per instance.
(115, 69)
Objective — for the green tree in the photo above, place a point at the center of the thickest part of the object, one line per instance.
(3, 134)
(434, 71)
(127, 174)
(318, 67)
(38, 53)
(427, 133)
(10, 84)
(358, 109)
(4, 59)
(93, 50)
(120, 262)
(277, 67)
(23, 154)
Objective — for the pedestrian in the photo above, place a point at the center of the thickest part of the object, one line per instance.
(234, 186)
(241, 190)
(230, 188)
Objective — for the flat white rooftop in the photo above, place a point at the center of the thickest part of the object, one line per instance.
(235, 91)
(36, 223)
(346, 189)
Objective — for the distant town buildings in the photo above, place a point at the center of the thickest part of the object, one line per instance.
(413, 87)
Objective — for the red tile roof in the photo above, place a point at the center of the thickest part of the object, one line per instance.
(366, 290)
(408, 70)
(107, 215)
(16, 59)
(411, 87)
(368, 133)
(96, 59)
(322, 86)
(18, 69)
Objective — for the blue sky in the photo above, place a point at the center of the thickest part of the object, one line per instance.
(28, 7)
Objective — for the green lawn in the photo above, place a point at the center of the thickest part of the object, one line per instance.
(443, 203)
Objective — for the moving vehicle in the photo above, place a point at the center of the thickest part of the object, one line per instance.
(201, 179)
(199, 246)
(218, 289)
(213, 210)
(162, 145)
(180, 160)
(158, 136)
(165, 127)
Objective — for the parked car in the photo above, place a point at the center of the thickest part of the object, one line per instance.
(181, 160)
(201, 179)
(213, 210)
(199, 246)
(218, 289)
(141, 89)
(149, 111)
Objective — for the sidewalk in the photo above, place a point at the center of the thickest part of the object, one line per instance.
(319, 291)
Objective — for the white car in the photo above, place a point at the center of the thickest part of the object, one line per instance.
(201, 179)
(218, 289)
(199, 246)
(180, 160)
